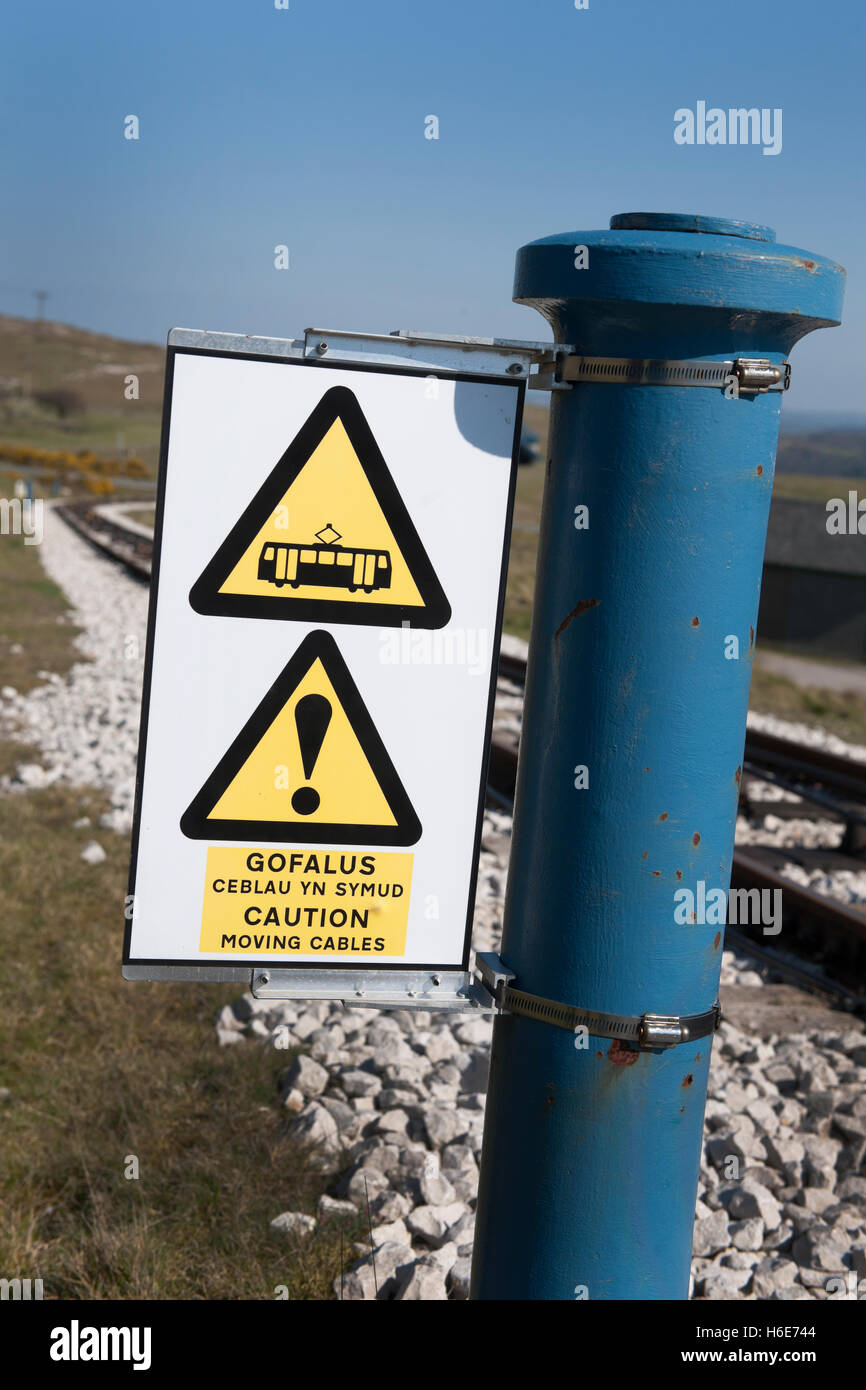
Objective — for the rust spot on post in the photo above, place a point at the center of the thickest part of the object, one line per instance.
(696, 622)
(696, 839)
(663, 816)
(716, 940)
(751, 637)
(687, 1080)
(582, 607)
(621, 1054)
(738, 774)
(645, 853)
(759, 470)
(657, 873)
(679, 873)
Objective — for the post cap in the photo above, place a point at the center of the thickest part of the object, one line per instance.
(689, 222)
(678, 284)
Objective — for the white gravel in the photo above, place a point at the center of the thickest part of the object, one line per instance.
(85, 723)
(802, 733)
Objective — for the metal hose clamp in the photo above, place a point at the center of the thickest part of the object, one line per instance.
(743, 375)
(649, 1031)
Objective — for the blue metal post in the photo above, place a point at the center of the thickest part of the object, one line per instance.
(591, 1153)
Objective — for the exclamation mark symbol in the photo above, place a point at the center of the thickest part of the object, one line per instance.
(312, 717)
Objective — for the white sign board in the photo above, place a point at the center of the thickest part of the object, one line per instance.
(327, 592)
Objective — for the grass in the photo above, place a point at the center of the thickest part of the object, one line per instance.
(40, 357)
(105, 432)
(43, 356)
(839, 712)
(814, 489)
(98, 1069)
(145, 516)
(839, 452)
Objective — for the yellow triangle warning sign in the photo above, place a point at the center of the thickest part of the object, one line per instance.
(308, 766)
(327, 537)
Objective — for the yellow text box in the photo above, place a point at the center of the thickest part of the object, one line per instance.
(305, 902)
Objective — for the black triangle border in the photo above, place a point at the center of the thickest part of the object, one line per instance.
(204, 596)
(194, 822)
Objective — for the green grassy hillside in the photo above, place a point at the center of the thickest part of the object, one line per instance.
(62, 387)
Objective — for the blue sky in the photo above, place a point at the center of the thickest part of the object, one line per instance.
(306, 127)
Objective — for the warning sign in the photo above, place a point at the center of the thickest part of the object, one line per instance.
(307, 903)
(312, 776)
(327, 536)
(307, 766)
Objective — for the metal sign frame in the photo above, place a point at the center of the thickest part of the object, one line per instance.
(403, 354)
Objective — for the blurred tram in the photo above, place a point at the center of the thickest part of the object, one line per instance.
(327, 566)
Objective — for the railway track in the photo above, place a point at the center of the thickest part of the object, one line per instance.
(133, 551)
(828, 936)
